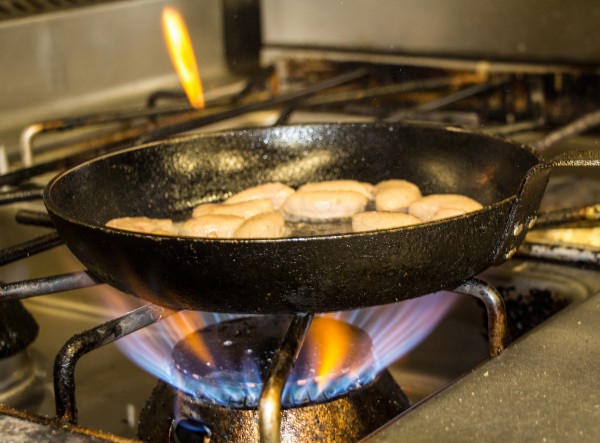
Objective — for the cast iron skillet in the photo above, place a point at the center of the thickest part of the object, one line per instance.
(304, 274)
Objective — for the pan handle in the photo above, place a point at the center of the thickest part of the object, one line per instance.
(523, 215)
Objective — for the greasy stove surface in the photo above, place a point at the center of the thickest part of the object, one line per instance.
(17, 426)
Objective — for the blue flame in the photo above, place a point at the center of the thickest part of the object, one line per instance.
(222, 386)
(394, 330)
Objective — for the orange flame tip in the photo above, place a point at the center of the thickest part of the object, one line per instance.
(182, 55)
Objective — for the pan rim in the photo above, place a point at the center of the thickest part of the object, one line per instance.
(56, 210)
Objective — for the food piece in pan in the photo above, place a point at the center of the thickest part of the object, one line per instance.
(373, 220)
(426, 207)
(159, 226)
(266, 225)
(366, 189)
(395, 195)
(206, 208)
(244, 209)
(211, 225)
(276, 192)
(323, 205)
(447, 213)
(163, 232)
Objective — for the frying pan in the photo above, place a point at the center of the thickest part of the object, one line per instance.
(305, 273)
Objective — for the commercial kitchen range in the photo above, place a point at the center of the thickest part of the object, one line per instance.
(509, 354)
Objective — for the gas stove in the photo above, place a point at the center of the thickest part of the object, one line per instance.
(439, 373)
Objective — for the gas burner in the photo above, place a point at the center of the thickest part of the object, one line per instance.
(226, 363)
(17, 328)
(221, 369)
(20, 384)
(21, 381)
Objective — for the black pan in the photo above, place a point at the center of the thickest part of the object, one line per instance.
(310, 273)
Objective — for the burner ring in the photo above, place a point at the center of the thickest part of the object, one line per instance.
(226, 363)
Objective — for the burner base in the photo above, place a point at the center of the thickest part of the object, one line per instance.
(348, 418)
(21, 381)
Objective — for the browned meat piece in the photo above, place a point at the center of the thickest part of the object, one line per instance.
(159, 226)
(323, 205)
(276, 192)
(372, 220)
(395, 195)
(206, 208)
(266, 225)
(447, 213)
(245, 209)
(426, 207)
(211, 225)
(366, 189)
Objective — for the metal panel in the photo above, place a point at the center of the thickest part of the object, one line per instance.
(543, 31)
(69, 60)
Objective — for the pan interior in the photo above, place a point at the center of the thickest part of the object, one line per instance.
(168, 179)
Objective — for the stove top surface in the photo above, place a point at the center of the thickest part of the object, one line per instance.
(541, 388)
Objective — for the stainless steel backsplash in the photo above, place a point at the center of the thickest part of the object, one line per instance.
(547, 31)
(69, 61)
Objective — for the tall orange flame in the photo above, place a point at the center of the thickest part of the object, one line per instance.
(333, 340)
(182, 55)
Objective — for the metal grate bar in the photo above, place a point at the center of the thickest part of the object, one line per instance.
(496, 312)
(573, 255)
(270, 398)
(28, 248)
(34, 218)
(87, 341)
(21, 195)
(46, 285)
